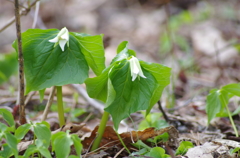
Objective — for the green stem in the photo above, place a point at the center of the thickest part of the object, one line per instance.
(232, 122)
(230, 117)
(60, 106)
(119, 137)
(101, 130)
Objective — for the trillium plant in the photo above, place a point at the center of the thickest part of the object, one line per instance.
(57, 57)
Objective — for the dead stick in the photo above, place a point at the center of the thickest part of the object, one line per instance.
(22, 118)
(49, 103)
(163, 112)
(22, 12)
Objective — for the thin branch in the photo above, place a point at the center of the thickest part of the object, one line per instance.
(49, 103)
(24, 11)
(163, 112)
(91, 101)
(22, 118)
(36, 14)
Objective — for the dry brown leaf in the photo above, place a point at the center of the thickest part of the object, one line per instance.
(110, 137)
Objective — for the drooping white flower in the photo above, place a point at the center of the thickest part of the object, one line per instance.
(135, 68)
(62, 38)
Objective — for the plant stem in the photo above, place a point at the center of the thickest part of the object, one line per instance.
(22, 118)
(230, 117)
(232, 122)
(60, 106)
(101, 130)
(119, 137)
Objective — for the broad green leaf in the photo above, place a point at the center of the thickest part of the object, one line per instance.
(45, 152)
(111, 93)
(123, 52)
(157, 152)
(214, 105)
(131, 96)
(122, 46)
(3, 128)
(122, 95)
(7, 116)
(22, 130)
(42, 149)
(41, 94)
(97, 86)
(77, 143)
(8, 66)
(162, 75)
(183, 147)
(12, 142)
(46, 65)
(43, 133)
(232, 88)
(6, 152)
(93, 50)
(46, 124)
(55, 136)
(62, 144)
(30, 150)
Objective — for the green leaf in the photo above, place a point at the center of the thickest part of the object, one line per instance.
(62, 144)
(139, 144)
(232, 88)
(162, 75)
(7, 116)
(6, 152)
(42, 149)
(77, 143)
(123, 52)
(3, 128)
(142, 151)
(22, 130)
(43, 133)
(8, 66)
(214, 105)
(41, 94)
(157, 152)
(122, 95)
(97, 86)
(93, 50)
(55, 136)
(160, 138)
(237, 149)
(236, 112)
(12, 142)
(46, 65)
(131, 96)
(183, 147)
(30, 150)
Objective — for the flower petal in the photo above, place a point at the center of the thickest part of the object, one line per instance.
(135, 68)
(62, 44)
(54, 40)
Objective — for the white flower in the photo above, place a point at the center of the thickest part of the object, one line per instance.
(135, 68)
(62, 38)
